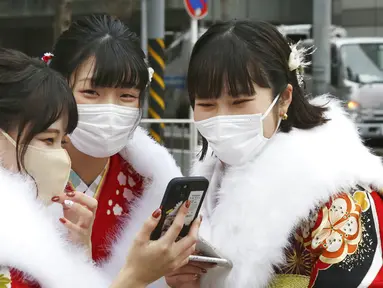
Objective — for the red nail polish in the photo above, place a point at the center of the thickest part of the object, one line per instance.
(70, 194)
(187, 204)
(156, 213)
(62, 220)
(55, 198)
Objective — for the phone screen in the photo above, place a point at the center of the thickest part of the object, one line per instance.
(195, 198)
(180, 190)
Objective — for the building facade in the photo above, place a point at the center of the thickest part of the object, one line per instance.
(360, 18)
(27, 25)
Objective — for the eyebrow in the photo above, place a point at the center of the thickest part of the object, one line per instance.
(52, 130)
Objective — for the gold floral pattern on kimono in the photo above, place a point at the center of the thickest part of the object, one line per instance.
(5, 278)
(337, 230)
(338, 244)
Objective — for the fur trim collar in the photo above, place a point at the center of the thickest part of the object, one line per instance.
(259, 203)
(31, 242)
(157, 166)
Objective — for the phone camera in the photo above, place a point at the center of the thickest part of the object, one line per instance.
(185, 186)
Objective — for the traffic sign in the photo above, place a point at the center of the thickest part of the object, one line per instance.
(197, 9)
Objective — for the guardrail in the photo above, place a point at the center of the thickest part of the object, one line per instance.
(180, 138)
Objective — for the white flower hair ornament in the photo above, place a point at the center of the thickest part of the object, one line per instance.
(151, 72)
(297, 60)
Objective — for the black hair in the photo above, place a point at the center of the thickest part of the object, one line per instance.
(235, 54)
(32, 98)
(119, 59)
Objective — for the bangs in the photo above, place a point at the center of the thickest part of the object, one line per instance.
(115, 67)
(55, 99)
(223, 65)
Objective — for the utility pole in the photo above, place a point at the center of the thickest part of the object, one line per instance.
(322, 56)
(144, 46)
(63, 17)
(225, 10)
(156, 53)
(119, 8)
(193, 139)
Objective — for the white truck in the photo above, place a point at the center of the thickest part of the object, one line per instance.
(304, 31)
(357, 79)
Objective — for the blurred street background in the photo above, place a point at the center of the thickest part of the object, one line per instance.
(348, 62)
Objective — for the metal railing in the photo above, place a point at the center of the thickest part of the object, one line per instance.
(180, 138)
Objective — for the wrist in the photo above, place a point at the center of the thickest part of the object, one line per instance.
(127, 278)
(88, 250)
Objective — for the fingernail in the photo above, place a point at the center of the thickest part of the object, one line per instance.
(68, 203)
(204, 270)
(55, 198)
(196, 277)
(187, 204)
(62, 220)
(156, 213)
(70, 194)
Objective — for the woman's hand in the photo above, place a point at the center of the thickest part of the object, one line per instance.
(188, 275)
(150, 260)
(79, 214)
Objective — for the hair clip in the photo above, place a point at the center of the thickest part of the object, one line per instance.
(47, 57)
(297, 61)
(151, 72)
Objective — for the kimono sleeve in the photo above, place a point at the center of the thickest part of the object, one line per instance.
(343, 238)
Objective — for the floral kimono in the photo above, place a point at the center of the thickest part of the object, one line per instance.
(116, 188)
(301, 214)
(338, 245)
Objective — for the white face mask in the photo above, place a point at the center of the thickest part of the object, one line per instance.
(103, 129)
(236, 139)
(49, 169)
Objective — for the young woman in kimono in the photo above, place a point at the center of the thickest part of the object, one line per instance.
(37, 109)
(291, 184)
(113, 160)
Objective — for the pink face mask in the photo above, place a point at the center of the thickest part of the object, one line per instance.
(49, 168)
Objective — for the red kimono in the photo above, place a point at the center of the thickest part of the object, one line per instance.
(115, 189)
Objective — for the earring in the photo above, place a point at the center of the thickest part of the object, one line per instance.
(285, 116)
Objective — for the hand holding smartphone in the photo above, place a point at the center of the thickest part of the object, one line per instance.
(177, 192)
(210, 254)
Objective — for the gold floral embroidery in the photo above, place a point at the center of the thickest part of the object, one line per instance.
(361, 198)
(4, 281)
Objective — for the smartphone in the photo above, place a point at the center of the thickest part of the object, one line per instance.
(178, 191)
(210, 254)
(219, 261)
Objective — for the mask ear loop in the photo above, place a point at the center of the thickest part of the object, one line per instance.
(268, 112)
(270, 107)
